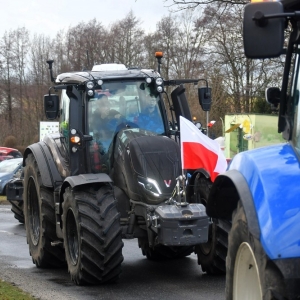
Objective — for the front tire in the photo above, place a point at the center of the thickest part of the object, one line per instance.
(249, 270)
(211, 255)
(92, 235)
(40, 221)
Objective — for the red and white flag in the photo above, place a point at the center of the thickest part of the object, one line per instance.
(200, 151)
(211, 123)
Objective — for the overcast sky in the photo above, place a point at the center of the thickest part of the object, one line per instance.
(50, 16)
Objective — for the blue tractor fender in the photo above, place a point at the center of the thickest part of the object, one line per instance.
(266, 181)
(227, 190)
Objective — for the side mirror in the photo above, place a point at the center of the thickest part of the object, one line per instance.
(180, 104)
(204, 95)
(263, 36)
(51, 106)
(273, 95)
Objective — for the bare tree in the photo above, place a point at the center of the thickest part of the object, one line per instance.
(187, 55)
(151, 45)
(58, 51)
(243, 78)
(187, 4)
(14, 47)
(126, 41)
(167, 35)
(85, 45)
(38, 83)
(190, 46)
(19, 50)
(7, 75)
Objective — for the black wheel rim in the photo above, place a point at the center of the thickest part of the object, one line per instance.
(72, 237)
(34, 212)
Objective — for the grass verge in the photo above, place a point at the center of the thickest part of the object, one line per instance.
(2, 201)
(10, 292)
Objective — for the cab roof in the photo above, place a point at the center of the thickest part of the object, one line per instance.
(84, 76)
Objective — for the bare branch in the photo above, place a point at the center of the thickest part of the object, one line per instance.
(186, 4)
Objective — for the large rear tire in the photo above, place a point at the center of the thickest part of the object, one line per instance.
(249, 270)
(211, 255)
(92, 235)
(39, 212)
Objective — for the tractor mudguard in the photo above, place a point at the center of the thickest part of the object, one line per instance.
(202, 171)
(226, 191)
(46, 165)
(83, 179)
(272, 177)
(191, 181)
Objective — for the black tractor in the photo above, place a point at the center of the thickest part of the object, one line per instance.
(113, 172)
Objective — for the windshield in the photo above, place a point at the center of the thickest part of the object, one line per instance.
(10, 165)
(123, 104)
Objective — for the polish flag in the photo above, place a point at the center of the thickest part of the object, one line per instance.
(211, 123)
(200, 151)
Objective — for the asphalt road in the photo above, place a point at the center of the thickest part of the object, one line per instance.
(141, 279)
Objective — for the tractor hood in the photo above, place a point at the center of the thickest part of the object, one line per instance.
(146, 165)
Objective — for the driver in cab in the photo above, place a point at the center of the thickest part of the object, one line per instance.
(105, 121)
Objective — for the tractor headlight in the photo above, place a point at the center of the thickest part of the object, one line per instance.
(90, 84)
(90, 93)
(150, 185)
(159, 81)
(160, 89)
(90, 88)
(148, 80)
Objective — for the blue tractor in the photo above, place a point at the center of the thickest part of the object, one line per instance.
(259, 193)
